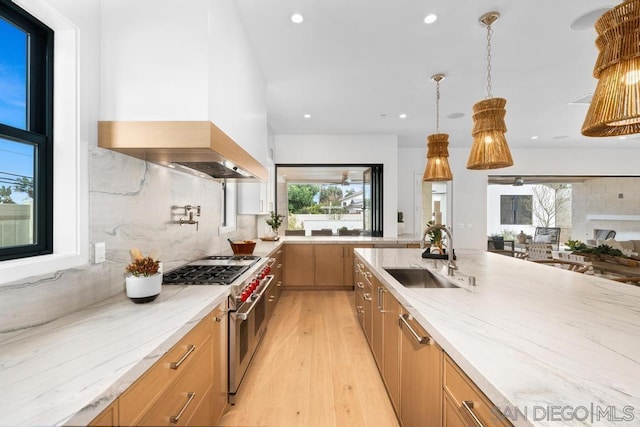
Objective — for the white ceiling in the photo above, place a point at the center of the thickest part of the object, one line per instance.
(352, 61)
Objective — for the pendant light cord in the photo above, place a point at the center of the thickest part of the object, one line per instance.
(438, 106)
(489, 34)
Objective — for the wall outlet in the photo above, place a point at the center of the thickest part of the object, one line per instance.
(99, 252)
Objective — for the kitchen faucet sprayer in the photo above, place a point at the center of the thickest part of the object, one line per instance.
(451, 263)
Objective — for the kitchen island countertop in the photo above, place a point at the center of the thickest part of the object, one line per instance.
(541, 340)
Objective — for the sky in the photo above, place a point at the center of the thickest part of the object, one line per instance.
(16, 159)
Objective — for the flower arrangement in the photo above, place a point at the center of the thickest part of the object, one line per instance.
(275, 221)
(142, 266)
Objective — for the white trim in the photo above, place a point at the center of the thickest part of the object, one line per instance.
(71, 209)
(605, 217)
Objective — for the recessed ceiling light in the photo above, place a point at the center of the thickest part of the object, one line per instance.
(296, 18)
(430, 18)
(383, 115)
(455, 115)
(307, 116)
(534, 137)
(171, 165)
(561, 137)
(622, 137)
(403, 116)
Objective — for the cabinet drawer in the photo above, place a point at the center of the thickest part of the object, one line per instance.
(467, 398)
(138, 398)
(179, 403)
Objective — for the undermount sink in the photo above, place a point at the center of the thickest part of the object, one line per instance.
(418, 278)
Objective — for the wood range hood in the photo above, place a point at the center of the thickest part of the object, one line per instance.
(198, 147)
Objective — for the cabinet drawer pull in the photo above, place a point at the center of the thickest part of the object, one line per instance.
(360, 285)
(176, 365)
(279, 284)
(367, 297)
(467, 405)
(420, 339)
(380, 296)
(190, 397)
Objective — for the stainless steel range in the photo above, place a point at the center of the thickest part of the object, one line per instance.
(247, 307)
(247, 323)
(217, 269)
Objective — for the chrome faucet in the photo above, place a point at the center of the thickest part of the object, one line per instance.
(451, 263)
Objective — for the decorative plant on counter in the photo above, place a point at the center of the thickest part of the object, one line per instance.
(576, 245)
(275, 221)
(142, 266)
(144, 280)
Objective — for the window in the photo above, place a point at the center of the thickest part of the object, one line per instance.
(26, 134)
(515, 209)
(340, 199)
(229, 206)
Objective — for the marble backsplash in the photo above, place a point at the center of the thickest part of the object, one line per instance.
(132, 204)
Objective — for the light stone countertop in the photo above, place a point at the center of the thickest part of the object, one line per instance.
(531, 336)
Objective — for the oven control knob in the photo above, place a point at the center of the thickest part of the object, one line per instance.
(267, 270)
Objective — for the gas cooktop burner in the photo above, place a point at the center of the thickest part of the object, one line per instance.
(204, 274)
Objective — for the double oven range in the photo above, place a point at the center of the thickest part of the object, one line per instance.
(247, 303)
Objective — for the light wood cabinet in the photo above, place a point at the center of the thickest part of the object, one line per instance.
(219, 343)
(465, 404)
(349, 258)
(329, 265)
(187, 386)
(278, 271)
(299, 265)
(139, 398)
(183, 400)
(391, 347)
(108, 417)
(359, 291)
(376, 320)
(320, 265)
(420, 375)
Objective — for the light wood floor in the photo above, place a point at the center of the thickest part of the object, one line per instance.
(314, 368)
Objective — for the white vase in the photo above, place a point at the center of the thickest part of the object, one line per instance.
(143, 289)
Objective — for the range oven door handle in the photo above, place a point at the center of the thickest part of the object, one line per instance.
(246, 309)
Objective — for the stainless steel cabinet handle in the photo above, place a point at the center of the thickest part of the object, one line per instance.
(367, 297)
(190, 396)
(279, 284)
(380, 298)
(360, 285)
(176, 365)
(467, 405)
(271, 299)
(420, 339)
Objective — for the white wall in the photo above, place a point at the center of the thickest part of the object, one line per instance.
(342, 149)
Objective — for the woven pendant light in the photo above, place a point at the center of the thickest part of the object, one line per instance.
(615, 107)
(490, 149)
(437, 168)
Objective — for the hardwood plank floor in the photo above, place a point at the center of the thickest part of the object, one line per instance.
(314, 368)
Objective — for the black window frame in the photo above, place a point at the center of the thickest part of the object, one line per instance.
(39, 129)
(377, 193)
(515, 208)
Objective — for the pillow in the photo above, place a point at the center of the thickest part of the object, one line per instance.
(542, 238)
(613, 243)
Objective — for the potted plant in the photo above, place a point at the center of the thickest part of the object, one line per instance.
(274, 221)
(435, 237)
(143, 280)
